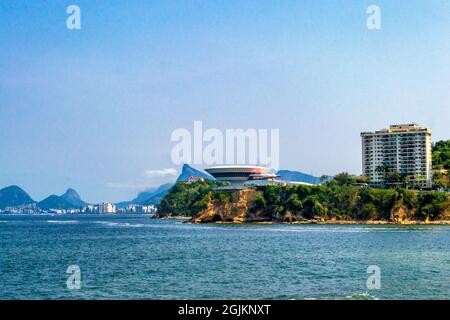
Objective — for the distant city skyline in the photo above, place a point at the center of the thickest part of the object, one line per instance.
(94, 109)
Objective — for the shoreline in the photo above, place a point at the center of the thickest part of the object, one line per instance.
(172, 218)
(362, 223)
(318, 222)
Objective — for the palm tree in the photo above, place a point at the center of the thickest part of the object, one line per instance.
(382, 168)
(407, 180)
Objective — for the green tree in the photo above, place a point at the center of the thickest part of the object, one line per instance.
(324, 178)
(393, 177)
(362, 179)
(432, 204)
(441, 180)
(441, 155)
(260, 202)
(367, 211)
(344, 178)
(273, 195)
(382, 168)
(294, 203)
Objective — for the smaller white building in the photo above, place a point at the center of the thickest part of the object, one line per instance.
(106, 207)
(140, 209)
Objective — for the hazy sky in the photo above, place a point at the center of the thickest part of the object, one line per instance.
(94, 109)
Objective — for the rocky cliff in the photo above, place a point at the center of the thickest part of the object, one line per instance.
(207, 201)
(243, 207)
(237, 210)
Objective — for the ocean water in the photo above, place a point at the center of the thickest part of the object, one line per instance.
(136, 257)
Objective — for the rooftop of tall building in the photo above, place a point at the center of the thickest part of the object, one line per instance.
(409, 127)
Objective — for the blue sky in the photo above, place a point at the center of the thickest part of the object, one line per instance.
(93, 109)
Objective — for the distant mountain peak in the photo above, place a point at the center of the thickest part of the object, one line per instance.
(72, 193)
(149, 196)
(154, 195)
(288, 175)
(13, 186)
(72, 197)
(54, 202)
(187, 171)
(14, 196)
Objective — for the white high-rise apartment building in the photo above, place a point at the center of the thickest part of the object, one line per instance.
(403, 148)
(106, 207)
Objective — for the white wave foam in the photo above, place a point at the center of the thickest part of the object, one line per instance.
(361, 296)
(354, 296)
(63, 221)
(121, 224)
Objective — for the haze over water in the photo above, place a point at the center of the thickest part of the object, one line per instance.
(135, 257)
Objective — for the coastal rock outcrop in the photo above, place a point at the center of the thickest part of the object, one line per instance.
(237, 210)
(208, 202)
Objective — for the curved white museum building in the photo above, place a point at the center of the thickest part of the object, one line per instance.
(237, 175)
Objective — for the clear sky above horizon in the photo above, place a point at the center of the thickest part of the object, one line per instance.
(94, 109)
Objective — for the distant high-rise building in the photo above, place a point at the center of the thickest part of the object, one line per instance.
(142, 209)
(106, 207)
(403, 148)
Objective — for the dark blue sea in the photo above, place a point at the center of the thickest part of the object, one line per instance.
(136, 257)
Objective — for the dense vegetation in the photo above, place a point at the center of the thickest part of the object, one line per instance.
(441, 164)
(441, 155)
(187, 199)
(345, 202)
(338, 199)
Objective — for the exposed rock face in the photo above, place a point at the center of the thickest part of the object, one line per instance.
(237, 211)
(400, 214)
(242, 209)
